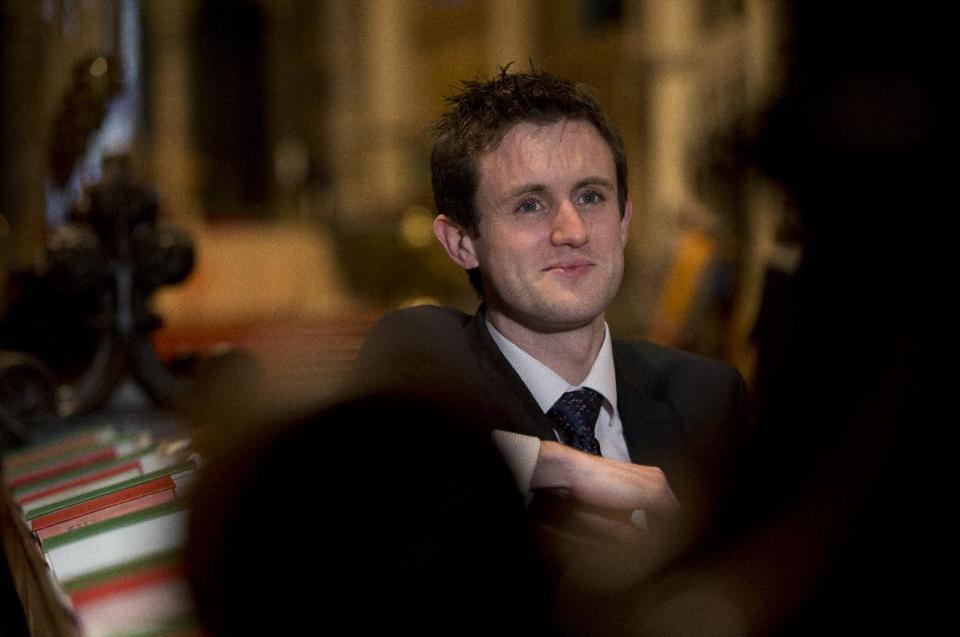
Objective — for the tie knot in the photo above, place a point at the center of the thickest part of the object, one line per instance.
(575, 415)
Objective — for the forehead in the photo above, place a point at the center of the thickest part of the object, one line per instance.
(554, 151)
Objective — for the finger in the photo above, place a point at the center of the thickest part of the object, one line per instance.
(617, 528)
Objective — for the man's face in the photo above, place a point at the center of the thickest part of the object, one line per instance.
(551, 239)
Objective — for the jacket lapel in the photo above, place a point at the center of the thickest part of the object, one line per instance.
(512, 400)
(650, 429)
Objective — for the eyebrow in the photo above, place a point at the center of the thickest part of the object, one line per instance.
(526, 189)
(594, 181)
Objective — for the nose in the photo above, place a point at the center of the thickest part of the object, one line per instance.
(567, 226)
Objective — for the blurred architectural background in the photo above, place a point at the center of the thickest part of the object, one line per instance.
(291, 138)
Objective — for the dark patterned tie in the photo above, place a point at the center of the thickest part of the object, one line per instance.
(575, 415)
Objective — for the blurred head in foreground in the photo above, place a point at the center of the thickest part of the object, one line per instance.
(385, 513)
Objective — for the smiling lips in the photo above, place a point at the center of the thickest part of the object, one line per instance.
(570, 268)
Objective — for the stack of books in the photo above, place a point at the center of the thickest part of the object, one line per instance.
(107, 510)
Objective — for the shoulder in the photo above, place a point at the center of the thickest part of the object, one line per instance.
(415, 328)
(661, 361)
(412, 340)
(419, 317)
(692, 382)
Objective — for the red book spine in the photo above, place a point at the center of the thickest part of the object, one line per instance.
(101, 455)
(76, 482)
(50, 451)
(102, 502)
(126, 583)
(129, 506)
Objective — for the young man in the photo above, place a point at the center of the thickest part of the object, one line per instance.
(529, 177)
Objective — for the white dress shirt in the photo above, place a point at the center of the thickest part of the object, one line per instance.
(546, 386)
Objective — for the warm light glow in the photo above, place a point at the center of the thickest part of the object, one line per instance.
(416, 227)
(99, 67)
(414, 301)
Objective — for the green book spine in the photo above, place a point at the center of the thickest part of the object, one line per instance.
(105, 575)
(159, 473)
(64, 477)
(113, 523)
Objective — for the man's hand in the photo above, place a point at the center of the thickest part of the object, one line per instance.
(583, 505)
(602, 484)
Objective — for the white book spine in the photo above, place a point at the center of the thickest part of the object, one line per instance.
(119, 545)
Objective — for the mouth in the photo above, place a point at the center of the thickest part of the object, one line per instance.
(572, 268)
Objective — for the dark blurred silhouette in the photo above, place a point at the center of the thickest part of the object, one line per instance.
(836, 525)
(386, 514)
(13, 622)
(87, 314)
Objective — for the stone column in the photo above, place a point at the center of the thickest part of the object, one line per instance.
(670, 34)
(22, 156)
(765, 201)
(174, 169)
(387, 103)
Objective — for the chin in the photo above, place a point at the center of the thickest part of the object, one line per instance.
(561, 318)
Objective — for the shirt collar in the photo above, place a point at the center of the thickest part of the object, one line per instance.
(546, 385)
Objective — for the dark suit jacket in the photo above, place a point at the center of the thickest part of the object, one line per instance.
(681, 412)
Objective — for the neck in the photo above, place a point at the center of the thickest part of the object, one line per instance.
(570, 353)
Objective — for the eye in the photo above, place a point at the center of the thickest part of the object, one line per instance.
(529, 205)
(591, 197)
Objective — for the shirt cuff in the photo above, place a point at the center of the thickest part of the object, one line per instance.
(520, 453)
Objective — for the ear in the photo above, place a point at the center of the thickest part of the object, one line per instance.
(455, 240)
(625, 222)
